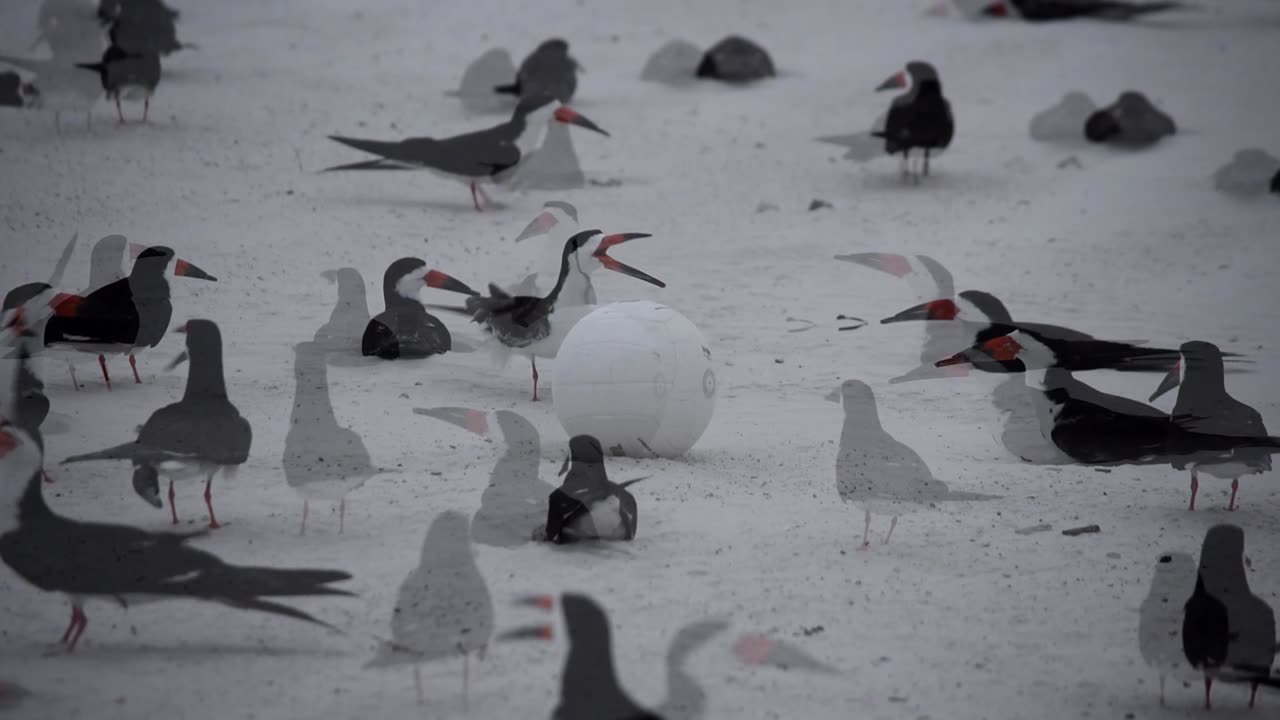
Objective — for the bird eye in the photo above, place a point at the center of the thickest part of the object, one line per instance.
(1166, 558)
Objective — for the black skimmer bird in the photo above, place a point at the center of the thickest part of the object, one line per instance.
(16, 93)
(122, 316)
(515, 500)
(1228, 633)
(736, 59)
(536, 326)
(1131, 121)
(197, 436)
(919, 118)
(548, 71)
(122, 564)
(60, 86)
(1049, 10)
(588, 505)
(490, 155)
(350, 315)
(405, 329)
(1095, 428)
(132, 76)
(141, 26)
(876, 471)
(589, 687)
(443, 610)
(322, 460)
(686, 699)
(1204, 406)
(1160, 616)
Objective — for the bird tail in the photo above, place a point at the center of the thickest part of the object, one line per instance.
(252, 603)
(126, 451)
(961, 496)
(276, 582)
(377, 164)
(633, 481)
(509, 89)
(56, 279)
(377, 147)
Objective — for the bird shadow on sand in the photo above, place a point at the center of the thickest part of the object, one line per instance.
(888, 179)
(423, 201)
(594, 548)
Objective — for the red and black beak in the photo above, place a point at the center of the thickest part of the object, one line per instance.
(181, 267)
(897, 80)
(566, 114)
(540, 631)
(1171, 380)
(540, 225)
(182, 356)
(943, 309)
(445, 281)
(602, 254)
(1002, 349)
(999, 8)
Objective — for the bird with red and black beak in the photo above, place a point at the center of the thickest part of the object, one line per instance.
(917, 119)
(122, 316)
(405, 329)
(589, 687)
(484, 156)
(1205, 406)
(198, 436)
(1095, 428)
(536, 326)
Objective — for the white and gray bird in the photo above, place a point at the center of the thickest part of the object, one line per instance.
(63, 86)
(1160, 616)
(877, 472)
(443, 610)
(350, 315)
(322, 460)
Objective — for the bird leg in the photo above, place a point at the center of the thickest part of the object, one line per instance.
(906, 170)
(1195, 487)
(133, 363)
(119, 112)
(417, 682)
(172, 508)
(474, 201)
(72, 368)
(48, 480)
(342, 514)
(305, 507)
(487, 200)
(926, 162)
(146, 107)
(75, 628)
(1235, 485)
(1253, 694)
(1208, 685)
(866, 530)
(102, 362)
(208, 501)
(892, 524)
(534, 362)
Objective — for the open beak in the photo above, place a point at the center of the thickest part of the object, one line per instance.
(445, 281)
(1171, 380)
(566, 114)
(602, 254)
(565, 467)
(540, 225)
(897, 80)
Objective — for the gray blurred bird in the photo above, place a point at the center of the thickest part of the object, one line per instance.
(589, 506)
(70, 29)
(128, 75)
(60, 86)
(879, 473)
(350, 313)
(322, 460)
(1131, 121)
(1160, 616)
(548, 71)
(443, 610)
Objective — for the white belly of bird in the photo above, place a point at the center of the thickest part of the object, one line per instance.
(606, 517)
(562, 321)
(1227, 470)
(182, 469)
(135, 93)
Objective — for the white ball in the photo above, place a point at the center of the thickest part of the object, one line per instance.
(635, 375)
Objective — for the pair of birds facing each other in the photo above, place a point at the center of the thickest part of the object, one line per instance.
(122, 564)
(491, 155)
(1206, 619)
(1209, 430)
(536, 326)
(119, 317)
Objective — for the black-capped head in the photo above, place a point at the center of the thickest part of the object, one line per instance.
(585, 448)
